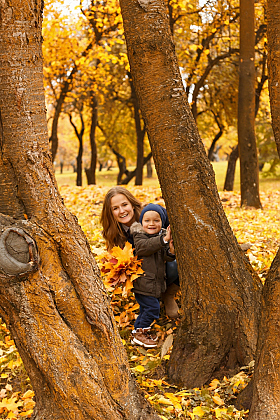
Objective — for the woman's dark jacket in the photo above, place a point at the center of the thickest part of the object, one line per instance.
(154, 252)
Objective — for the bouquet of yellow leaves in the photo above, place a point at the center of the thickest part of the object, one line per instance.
(120, 268)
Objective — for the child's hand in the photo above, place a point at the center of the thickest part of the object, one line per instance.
(167, 237)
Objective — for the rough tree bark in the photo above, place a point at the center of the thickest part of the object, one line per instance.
(273, 30)
(248, 155)
(220, 296)
(52, 298)
(266, 380)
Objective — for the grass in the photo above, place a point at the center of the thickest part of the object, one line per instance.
(109, 178)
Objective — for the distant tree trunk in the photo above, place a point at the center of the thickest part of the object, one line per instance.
(90, 172)
(121, 164)
(229, 179)
(52, 297)
(220, 296)
(131, 174)
(212, 147)
(61, 167)
(261, 83)
(231, 166)
(149, 169)
(57, 111)
(248, 155)
(140, 134)
(266, 380)
(79, 135)
(218, 135)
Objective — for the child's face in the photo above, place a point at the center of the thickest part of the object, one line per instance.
(151, 222)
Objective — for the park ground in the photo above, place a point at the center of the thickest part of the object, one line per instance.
(214, 400)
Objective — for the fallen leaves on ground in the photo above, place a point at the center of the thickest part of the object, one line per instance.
(16, 395)
(213, 401)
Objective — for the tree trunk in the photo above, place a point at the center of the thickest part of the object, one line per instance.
(266, 380)
(52, 298)
(273, 30)
(131, 174)
(90, 172)
(79, 135)
(213, 144)
(58, 108)
(149, 169)
(248, 155)
(121, 164)
(140, 134)
(229, 181)
(219, 294)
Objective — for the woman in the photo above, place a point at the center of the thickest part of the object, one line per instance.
(120, 210)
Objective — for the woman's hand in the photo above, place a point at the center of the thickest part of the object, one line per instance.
(171, 247)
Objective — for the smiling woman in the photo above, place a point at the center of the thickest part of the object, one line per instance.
(120, 210)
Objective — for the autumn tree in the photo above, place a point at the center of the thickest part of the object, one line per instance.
(219, 292)
(52, 297)
(63, 55)
(248, 155)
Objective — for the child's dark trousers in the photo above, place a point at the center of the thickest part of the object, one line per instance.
(149, 310)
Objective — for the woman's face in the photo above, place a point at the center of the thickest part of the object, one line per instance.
(122, 209)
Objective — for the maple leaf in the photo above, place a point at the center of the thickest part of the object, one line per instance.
(11, 404)
(120, 267)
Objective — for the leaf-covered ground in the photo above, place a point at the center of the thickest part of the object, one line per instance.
(215, 400)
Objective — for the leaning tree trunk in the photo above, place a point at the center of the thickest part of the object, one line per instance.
(248, 154)
(52, 298)
(266, 380)
(220, 296)
(232, 159)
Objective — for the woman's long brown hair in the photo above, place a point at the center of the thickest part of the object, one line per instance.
(112, 230)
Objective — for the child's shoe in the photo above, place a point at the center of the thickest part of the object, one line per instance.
(142, 338)
(150, 333)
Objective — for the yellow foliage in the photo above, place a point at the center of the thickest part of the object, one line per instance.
(197, 411)
(218, 400)
(120, 268)
(213, 384)
(139, 368)
(219, 412)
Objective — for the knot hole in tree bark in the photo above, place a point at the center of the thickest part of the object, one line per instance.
(18, 252)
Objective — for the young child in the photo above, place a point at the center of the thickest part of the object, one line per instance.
(154, 246)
